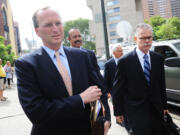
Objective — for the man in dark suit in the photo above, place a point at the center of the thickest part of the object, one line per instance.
(56, 83)
(110, 67)
(139, 87)
(75, 39)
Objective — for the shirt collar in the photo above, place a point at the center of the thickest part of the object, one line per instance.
(52, 52)
(76, 47)
(116, 59)
(140, 53)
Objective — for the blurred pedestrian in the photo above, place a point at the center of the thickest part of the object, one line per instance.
(8, 70)
(2, 76)
(110, 67)
(139, 90)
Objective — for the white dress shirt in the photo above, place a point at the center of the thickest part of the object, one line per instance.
(140, 55)
(62, 56)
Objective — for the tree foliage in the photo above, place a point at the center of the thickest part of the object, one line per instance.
(83, 26)
(165, 29)
(175, 21)
(5, 52)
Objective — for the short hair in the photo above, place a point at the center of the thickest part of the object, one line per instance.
(72, 30)
(34, 17)
(114, 47)
(142, 26)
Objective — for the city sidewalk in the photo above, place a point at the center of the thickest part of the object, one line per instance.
(12, 118)
(13, 121)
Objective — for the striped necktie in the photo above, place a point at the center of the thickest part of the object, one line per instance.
(64, 73)
(146, 69)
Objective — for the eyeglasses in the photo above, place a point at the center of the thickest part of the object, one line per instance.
(145, 38)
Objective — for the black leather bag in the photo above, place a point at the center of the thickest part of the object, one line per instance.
(97, 120)
(170, 127)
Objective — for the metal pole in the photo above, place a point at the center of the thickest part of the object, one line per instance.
(105, 30)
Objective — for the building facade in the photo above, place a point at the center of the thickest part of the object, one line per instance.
(17, 38)
(163, 8)
(4, 27)
(175, 7)
(156, 8)
(116, 11)
(6, 24)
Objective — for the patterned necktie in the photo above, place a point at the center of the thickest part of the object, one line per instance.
(146, 69)
(64, 73)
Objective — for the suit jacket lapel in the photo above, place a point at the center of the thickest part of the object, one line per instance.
(152, 68)
(113, 63)
(139, 69)
(114, 66)
(51, 70)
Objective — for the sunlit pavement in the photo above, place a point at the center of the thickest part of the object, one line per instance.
(12, 118)
(14, 122)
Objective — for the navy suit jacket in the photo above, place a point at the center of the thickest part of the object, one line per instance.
(109, 73)
(44, 98)
(130, 88)
(93, 62)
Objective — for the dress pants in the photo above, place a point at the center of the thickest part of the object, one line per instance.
(144, 119)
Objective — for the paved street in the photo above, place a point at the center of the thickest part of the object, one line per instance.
(14, 122)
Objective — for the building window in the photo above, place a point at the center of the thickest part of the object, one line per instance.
(114, 18)
(113, 25)
(113, 41)
(111, 3)
(6, 35)
(97, 18)
(6, 28)
(113, 33)
(119, 40)
(4, 16)
(113, 10)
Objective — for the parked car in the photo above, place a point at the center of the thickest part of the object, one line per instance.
(170, 50)
(172, 72)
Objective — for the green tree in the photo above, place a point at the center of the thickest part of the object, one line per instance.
(5, 52)
(175, 21)
(156, 22)
(166, 32)
(83, 26)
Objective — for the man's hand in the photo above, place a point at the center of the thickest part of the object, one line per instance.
(107, 125)
(120, 119)
(91, 94)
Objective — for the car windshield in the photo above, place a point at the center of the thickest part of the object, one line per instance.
(177, 45)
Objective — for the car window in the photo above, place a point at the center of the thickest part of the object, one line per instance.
(165, 51)
(177, 45)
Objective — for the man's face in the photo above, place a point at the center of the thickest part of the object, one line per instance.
(75, 38)
(118, 53)
(8, 63)
(144, 40)
(50, 28)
